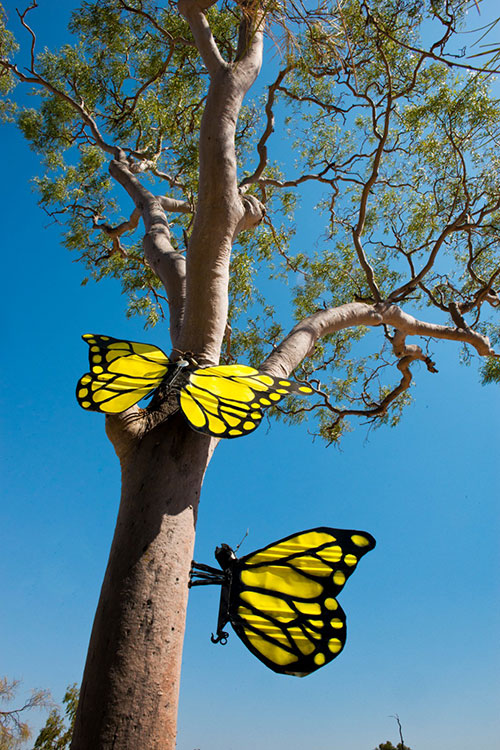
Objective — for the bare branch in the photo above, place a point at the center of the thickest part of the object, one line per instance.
(357, 231)
(220, 211)
(456, 225)
(403, 746)
(22, 18)
(319, 177)
(251, 40)
(172, 181)
(403, 350)
(125, 226)
(301, 340)
(254, 213)
(116, 232)
(175, 206)
(193, 12)
(269, 129)
(168, 264)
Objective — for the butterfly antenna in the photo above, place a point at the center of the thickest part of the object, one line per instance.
(239, 545)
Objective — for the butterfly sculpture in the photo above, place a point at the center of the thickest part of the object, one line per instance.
(281, 599)
(225, 401)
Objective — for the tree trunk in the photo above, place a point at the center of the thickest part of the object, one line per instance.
(130, 687)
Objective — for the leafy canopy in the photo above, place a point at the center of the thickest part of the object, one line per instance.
(385, 132)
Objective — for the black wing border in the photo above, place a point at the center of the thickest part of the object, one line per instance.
(305, 663)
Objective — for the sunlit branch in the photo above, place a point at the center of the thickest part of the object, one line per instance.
(302, 338)
(193, 12)
(458, 224)
(250, 41)
(168, 264)
(116, 232)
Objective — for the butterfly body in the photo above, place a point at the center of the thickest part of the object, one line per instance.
(224, 401)
(281, 599)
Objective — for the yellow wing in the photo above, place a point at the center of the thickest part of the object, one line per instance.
(122, 372)
(227, 401)
(283, 602)
(224, 401)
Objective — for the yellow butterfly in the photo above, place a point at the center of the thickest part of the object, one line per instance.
(225, 401)
(281, 599)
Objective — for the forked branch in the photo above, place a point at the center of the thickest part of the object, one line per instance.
(302, 338)
(301, 341)
(194, 13)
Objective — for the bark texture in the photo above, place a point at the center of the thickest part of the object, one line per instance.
(302, 338)
(130, 688)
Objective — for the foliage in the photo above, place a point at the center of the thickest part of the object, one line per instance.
(389, 746)
(8, 47)
(491, 371)
(58, 729)
(14, 731)
(394, 143)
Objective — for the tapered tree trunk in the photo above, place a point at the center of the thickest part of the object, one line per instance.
(130, 687)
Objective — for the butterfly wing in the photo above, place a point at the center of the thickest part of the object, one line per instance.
(122, 372)
(227, 401)
(283, 602)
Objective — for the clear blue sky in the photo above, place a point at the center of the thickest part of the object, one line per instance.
(423, 607)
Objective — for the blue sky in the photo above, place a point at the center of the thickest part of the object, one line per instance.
(422, 608)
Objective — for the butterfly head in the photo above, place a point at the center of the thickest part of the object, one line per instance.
(224, 556)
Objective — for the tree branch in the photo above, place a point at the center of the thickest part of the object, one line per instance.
(175, 206)
(357, 231)
(168, 264)
(193, 12)
(408, 286)
(116, 232)
(220, 211)
(302, 338)
(154, 23)
(251, 40)
(78, 107)
(430, 54)
(269, 129)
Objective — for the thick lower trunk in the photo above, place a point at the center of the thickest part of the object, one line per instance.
(130, 687)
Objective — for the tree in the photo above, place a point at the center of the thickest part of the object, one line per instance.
(13, 730)
(389, 746)
(398, 137)
(56, 735)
